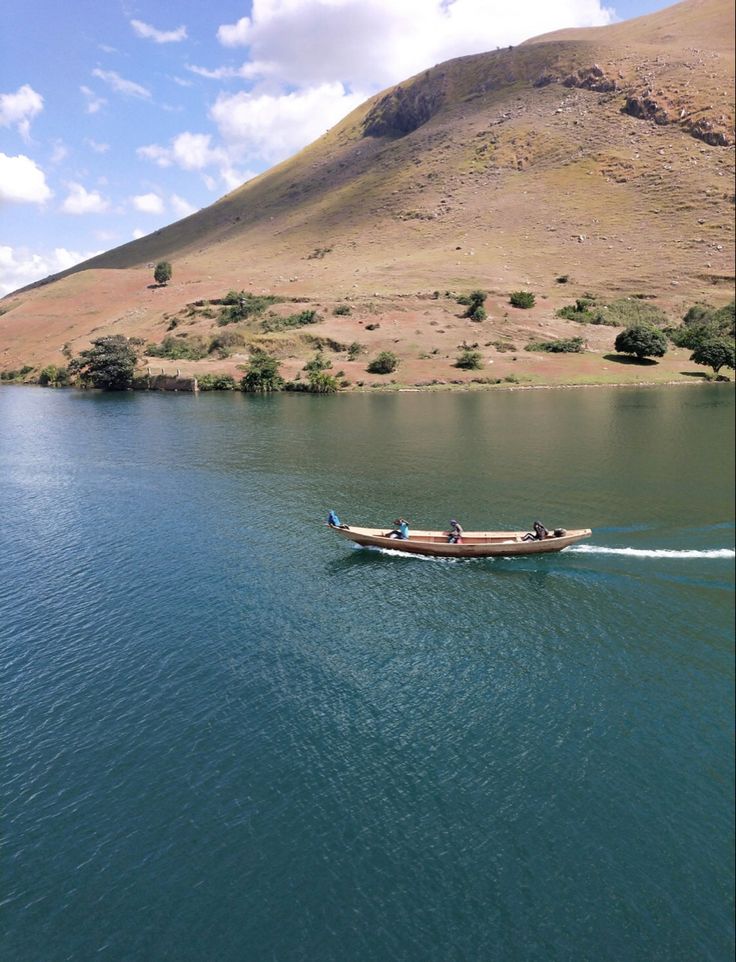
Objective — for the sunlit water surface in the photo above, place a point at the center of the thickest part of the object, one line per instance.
(229, 735)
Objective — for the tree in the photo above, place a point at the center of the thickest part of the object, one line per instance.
(162, 272)
(641, 340)
(384, 363)
(716, 353)
(475, 302)
(53, 376)
(108, 364)
(262, 375)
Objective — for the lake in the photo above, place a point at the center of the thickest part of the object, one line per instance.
(230, 735)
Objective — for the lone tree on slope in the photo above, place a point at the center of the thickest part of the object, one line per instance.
(641, 340)
(162, 272)
(716, 353)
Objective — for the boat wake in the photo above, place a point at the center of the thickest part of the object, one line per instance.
(655, 552)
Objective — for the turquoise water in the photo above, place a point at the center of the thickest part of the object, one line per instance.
(227, 734)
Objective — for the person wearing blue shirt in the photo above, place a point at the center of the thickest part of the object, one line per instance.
(401, 531)
(333, 520)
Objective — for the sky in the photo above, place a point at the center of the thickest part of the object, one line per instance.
(118, 117)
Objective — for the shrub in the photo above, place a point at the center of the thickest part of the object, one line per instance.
(384, 363)
(109, 363)
(478, 313)
(716, 353)
(642, 340)
(523, 299)
(16, 375)
(318, 364)
(631, 312)
(162, 272)
(342, 309)
(320, 382)
(275, 323)
(469, 360)
(53, 376)
(563, 345)
(216, 382)
(241, 305)
(179, 348)
(355, 350)
(262, 374)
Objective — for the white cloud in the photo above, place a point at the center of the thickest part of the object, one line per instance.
(120, 85)
(187, 150)
(138, 233)
(22, 181)
(181, 207)
(274, 126)
(97, 147)
(19, 109)
(94, 103)
(148, 203)
(20, 266)
(60, 152)
(368, 44)
(81, 201)
(147, 32)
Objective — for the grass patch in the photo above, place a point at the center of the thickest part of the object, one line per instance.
(563, 345)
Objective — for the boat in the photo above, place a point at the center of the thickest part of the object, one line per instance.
(474, 544)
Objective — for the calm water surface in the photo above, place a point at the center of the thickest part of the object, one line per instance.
(228, 735)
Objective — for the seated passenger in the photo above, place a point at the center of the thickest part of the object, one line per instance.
(539, 533)
(401, 531)
(332, 520)
(455, 534)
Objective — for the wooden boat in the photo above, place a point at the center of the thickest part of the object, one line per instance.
(474, 544)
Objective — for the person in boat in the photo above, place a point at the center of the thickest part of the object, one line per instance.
(539, 533)
(334, 522)
(401, 531)
(455, 534)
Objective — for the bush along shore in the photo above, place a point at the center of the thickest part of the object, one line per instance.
(244, 327)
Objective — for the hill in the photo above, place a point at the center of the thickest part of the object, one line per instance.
(604, 156)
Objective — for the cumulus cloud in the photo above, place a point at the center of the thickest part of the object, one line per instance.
(373, 43)
(138, 233)
(94, 103)
(20, 266)
(148, 203)
(18, 109)
(187, 150)
(274, 126)
(22, 181)
(147, 32)
(81, 201)
(120, 85)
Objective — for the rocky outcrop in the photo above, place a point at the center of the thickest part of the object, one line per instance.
(590, 78)
(644, 106)
(405, 108)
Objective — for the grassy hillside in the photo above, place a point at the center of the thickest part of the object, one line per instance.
(604, 156)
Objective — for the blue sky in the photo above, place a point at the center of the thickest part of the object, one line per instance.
(120, 116)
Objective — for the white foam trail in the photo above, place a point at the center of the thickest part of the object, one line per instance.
(656, 552)
(410, 554)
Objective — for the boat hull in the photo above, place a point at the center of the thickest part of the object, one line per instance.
(475, 544)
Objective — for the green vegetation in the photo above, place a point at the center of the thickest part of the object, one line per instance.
(162, 272)
(503, 347)
(16, 375)
(523, 299)
(474, 301)
(318, 364)
(469, 360)
(53, 376)
(216, 382)
(241, 305)
(274, 323)
(108, 364)
(581, 311)
(563, 345)
(342, 309)
(631, 312)
(179, 348)
(262, 374)
(642, 340)
(703, 323)
(716, 353)
(355, 350)
(384, 363)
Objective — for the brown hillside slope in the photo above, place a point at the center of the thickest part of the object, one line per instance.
(603, 154)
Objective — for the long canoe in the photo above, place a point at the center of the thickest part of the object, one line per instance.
(475, 544)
